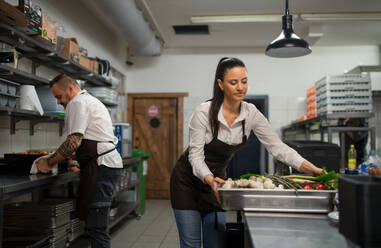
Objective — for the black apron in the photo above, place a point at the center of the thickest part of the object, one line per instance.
(87, 155)
(187, 191)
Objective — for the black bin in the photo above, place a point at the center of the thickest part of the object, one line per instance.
(360, 209)
(317, 152)
(234, 235)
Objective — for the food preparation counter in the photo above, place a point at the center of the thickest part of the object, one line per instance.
(263, 230)
(14, 184)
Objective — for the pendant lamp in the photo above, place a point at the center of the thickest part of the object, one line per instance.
(287, 44)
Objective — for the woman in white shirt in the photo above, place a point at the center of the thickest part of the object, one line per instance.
(217, 130)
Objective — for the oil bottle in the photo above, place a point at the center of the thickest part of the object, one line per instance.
(352, 159)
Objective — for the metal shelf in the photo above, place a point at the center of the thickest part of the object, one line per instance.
(43, 54)
(34, 118)
(129, 187)
(15, 75)
(329, 124)
(124, 209)
(326, 118)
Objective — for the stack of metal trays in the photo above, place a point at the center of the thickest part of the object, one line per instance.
(77, 228)
(26, 223)
(287, 200)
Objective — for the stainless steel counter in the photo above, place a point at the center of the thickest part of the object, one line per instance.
(291, 230)
(13, 183)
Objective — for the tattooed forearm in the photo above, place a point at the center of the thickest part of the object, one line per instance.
(67, 148)
(71, 144)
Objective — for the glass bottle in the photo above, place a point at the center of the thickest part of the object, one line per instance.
(352, 158)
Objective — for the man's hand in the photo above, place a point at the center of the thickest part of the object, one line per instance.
(214, 182)
(43, 165)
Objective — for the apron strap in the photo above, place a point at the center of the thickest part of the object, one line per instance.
(244, 137)
(104, 153)
(216, 132)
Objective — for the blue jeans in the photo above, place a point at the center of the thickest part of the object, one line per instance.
(189, 223)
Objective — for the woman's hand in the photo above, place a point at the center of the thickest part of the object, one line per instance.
(309, 168)
(214, 182)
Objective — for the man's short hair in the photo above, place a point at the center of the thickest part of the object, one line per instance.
(64, 80)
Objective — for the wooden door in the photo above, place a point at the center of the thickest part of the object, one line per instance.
(157, 127)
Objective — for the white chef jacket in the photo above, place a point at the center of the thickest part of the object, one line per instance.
(86, 115)
(200, 133)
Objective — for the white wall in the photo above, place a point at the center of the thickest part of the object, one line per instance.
(284, 80)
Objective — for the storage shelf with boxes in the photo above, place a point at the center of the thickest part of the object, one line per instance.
(42, 54)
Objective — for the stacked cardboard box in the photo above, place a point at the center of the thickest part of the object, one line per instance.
(311, 103)
(69, 48)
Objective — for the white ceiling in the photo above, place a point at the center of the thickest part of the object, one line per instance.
(165, 13)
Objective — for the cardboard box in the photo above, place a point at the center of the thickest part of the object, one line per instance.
(14, 17)
(11, 16)
(94, 66)
(49, 31)
(70, 48)
(85, 62)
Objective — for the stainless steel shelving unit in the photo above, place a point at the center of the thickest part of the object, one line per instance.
(329, 124)
(34, 118)
(21, 77)
(39, 53)
(42, 54)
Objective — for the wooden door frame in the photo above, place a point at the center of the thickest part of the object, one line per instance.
(180, 111)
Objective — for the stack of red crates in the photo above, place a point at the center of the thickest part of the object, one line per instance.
(311, 103)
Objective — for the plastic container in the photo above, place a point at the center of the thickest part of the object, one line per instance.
(123, 131)
(48, 101)
(317, 152)
(359, 209)
(343, 100)
(344, 82)
(3, 87)
(3, 100)
(345, 108)
(12, 102)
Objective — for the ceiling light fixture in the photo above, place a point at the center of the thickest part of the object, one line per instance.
(263, 18)
(375, 16)
(235, 19)
(287, 44)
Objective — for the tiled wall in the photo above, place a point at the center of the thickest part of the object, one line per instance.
(46, 136)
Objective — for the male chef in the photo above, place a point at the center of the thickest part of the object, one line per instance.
(91, 137)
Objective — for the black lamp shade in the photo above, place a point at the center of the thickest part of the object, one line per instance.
(288, 45)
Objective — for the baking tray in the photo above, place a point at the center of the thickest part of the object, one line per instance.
(287, 200)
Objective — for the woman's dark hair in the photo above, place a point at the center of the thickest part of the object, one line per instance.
(218, 95)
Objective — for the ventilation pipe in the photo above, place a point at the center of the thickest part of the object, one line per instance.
(129, 21)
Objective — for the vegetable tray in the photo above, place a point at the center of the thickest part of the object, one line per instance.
(286, 200)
